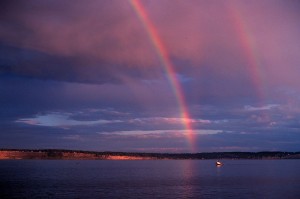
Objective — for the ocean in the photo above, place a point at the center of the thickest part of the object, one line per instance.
(149, 179)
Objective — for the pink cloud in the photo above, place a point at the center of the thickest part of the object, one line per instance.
(195, 30)
(202, 34)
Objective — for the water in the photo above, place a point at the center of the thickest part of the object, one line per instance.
(149, 179)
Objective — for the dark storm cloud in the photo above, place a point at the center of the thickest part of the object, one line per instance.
(37, 64)
(71, 42)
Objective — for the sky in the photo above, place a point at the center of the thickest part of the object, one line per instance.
(150, 76)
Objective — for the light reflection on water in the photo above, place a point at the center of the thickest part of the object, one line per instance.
(187, 168)
(150, 179)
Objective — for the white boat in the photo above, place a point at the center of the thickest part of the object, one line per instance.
(218, 163)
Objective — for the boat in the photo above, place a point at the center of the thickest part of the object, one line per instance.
(218, 163)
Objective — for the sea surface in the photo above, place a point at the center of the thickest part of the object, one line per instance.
(149, 179)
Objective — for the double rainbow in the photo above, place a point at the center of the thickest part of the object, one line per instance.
(245, 38)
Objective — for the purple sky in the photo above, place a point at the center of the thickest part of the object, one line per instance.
(87, 75)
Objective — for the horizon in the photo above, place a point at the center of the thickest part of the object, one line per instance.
(133, 152)
(150, 77)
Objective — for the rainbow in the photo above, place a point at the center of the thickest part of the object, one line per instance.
(168, 67)
(251, 52)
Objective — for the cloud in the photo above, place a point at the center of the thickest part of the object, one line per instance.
(160, 133)
(169, 120)
(100, 42)
(61, 121)
(95, 42)
(73, 137)
(262, 108)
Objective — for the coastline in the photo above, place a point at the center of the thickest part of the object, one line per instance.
(61, 154)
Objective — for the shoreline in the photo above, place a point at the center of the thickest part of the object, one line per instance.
(61, 154)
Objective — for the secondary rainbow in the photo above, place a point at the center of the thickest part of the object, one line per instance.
(168, 67)
(248, 44)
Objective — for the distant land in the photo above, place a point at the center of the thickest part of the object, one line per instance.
(61, 154)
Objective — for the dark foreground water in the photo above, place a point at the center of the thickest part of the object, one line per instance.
(149, 179)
